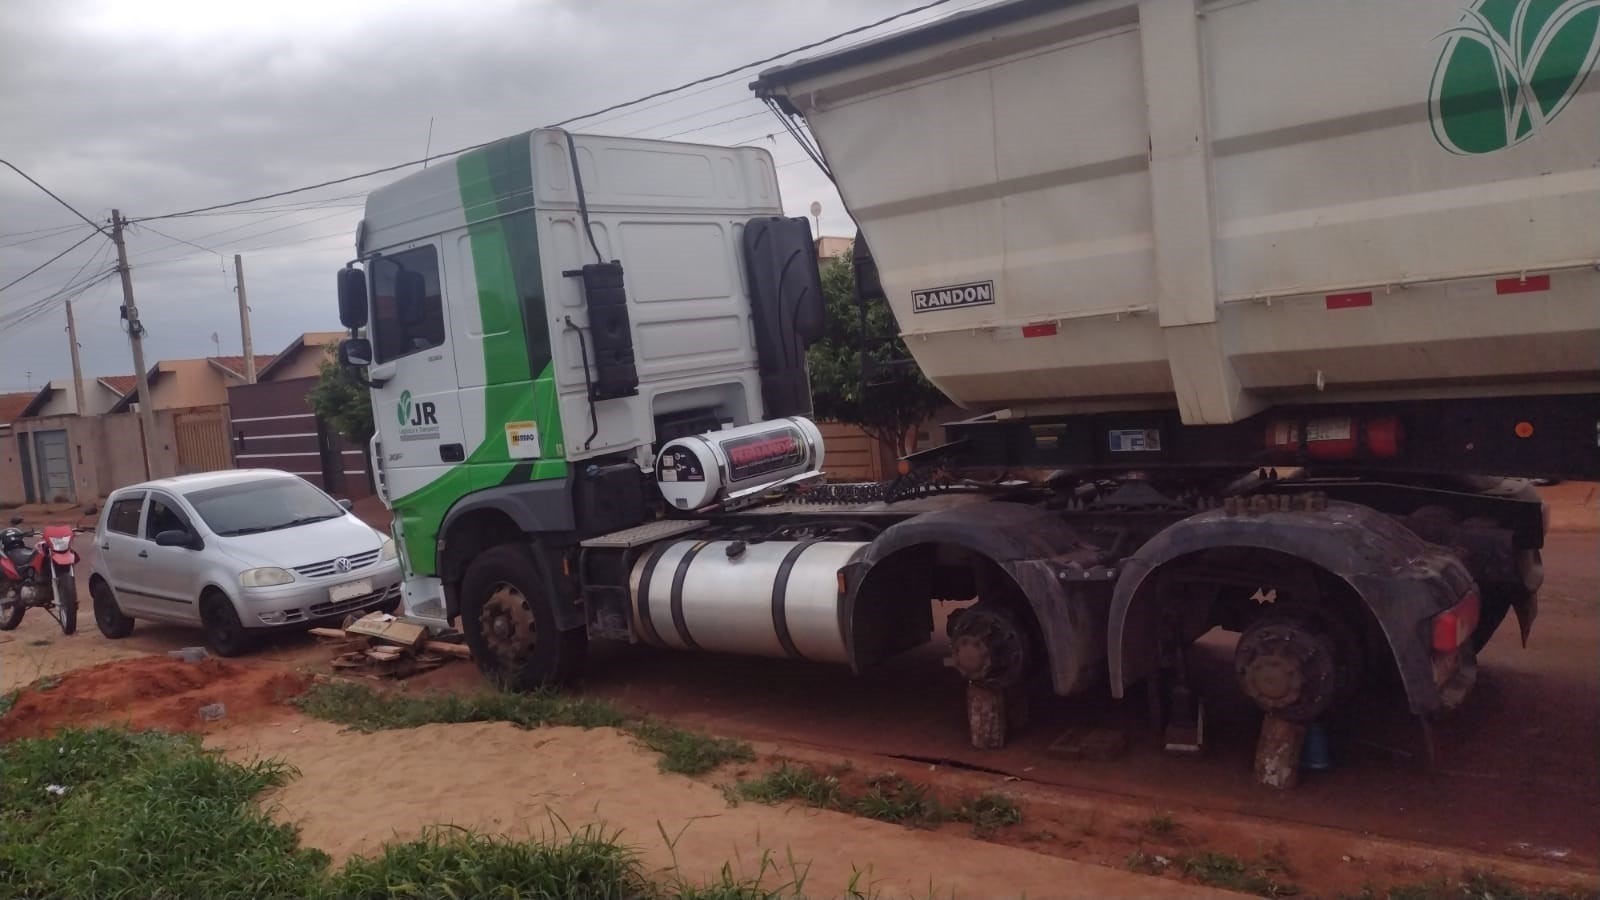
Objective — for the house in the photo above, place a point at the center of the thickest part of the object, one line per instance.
(831, 248)
(302, 358)
(11, 407)
(99, 395)
(188, 383)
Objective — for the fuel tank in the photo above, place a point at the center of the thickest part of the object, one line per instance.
(773, 598)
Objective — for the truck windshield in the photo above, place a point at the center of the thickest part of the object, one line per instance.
(266, 505)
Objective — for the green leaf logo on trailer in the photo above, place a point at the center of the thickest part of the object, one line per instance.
(404, 408)
(1508, 68)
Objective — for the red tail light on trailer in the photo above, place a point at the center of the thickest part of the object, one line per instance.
(1453, 627)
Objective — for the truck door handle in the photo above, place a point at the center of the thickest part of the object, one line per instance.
(452, 453)
(144, 554)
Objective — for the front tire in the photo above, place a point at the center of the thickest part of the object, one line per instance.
(225, 634)
(66, 588)
(510, 623)
(108, 616)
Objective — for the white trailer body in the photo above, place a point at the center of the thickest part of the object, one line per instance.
(1113, 205)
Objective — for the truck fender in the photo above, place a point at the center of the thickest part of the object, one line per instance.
(1031, 545)
(1402, 580)
(533, 509)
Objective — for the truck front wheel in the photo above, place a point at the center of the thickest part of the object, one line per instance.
(509, 623)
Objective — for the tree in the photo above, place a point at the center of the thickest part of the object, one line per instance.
(896, 397)
(343, 402)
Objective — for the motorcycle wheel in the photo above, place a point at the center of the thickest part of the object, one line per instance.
(67, 602)
(11, 611)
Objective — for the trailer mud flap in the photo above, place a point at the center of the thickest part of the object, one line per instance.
(1402, 580)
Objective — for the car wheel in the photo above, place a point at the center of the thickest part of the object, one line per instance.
(108, 616)
(510, 624)
(225, 634)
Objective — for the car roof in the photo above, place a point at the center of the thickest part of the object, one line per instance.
(183, 484)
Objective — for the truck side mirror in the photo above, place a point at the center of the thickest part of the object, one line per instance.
(352, 298)
(355, 353)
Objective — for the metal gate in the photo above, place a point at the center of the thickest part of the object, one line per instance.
(202, 438)
(55, 466)
(273, 427)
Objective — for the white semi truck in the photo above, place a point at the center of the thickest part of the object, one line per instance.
(1257, 303)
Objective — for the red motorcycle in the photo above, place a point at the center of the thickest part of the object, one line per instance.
(41, 576)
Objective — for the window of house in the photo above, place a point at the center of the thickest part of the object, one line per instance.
(124, 515)
(407, 303)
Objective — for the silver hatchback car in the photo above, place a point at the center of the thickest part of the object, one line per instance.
(238, 553)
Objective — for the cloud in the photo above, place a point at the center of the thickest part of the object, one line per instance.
(165, 105)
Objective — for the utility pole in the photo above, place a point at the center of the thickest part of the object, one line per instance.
(77, 369)
(244, 322)
(130, 313)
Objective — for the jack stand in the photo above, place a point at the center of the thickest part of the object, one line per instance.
(1278, 752)
(993, 712)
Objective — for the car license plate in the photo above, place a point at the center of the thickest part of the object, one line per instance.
(349, 590)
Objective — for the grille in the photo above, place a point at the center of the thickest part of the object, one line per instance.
(343, 606)
(326, 567)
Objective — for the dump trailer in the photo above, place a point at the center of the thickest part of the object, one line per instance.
(1263, 311)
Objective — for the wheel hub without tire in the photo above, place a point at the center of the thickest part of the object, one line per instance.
(507, 621)
(987, 646)
(1288, 668)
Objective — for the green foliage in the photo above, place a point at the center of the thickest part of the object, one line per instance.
(1261, 877)
(343, 402)
(688, 752)
(897, 397)
(787, 782)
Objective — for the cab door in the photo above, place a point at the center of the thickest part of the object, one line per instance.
(415, 403)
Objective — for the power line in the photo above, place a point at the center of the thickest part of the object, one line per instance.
(567, 121)
(53, 196)
(47, 262)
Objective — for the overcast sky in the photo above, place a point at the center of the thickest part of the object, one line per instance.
(155, 106)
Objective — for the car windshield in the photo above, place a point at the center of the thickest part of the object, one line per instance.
(266, 505)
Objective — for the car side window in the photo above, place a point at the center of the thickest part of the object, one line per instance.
(123, 518)
(163, 516)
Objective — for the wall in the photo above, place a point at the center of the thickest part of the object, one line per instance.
(184, 383)
(105, 451)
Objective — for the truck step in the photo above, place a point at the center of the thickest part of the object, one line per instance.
(648, 533)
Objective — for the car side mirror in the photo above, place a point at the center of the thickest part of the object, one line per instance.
(177, 538)
(352, 297)
(347, 505)
(355, 353)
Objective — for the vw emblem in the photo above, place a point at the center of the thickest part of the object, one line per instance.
(341, 565)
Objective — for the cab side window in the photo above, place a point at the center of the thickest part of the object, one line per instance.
(407, 303)
(163, 517)
(124, 515)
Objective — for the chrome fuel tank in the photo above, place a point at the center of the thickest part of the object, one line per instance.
(774, 598)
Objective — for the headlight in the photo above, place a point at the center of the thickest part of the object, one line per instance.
(61, 544)
(389, 550)
(265, 577)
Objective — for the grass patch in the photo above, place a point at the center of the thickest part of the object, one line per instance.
(891, 798)
(109, 813)
(1472, 885)
(1142, 863)
(1266, 877)
(357, 706)
(987, 813)
(688, 752)
(8, 700)
(800, 783)
(364, 709)
(1162, 827)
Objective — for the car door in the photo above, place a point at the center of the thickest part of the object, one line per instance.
(171, 574)
(119, 549)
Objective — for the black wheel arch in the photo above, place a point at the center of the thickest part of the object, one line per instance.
(1398, 578)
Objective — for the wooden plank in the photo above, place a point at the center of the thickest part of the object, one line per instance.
(459, 651)
(327, 633)
(388, 629)
(385, 653)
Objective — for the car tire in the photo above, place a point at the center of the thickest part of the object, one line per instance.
(66, 599)
(510, 623)
(108, 616)
(225, 634)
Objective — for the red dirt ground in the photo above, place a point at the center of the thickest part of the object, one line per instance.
(152, 692)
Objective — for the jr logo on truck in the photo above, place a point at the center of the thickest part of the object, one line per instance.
(418, 421)
(1508, 68)
(976, 294)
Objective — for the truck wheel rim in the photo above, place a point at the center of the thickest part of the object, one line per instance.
(507, 622)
